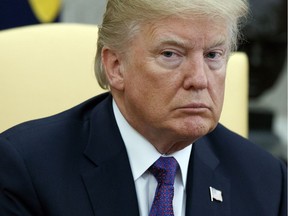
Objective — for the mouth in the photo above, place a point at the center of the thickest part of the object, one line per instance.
(195, 108)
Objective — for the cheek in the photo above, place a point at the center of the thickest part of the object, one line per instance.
(151, 87)
(217, 88)
(149, 81)
(140, 88)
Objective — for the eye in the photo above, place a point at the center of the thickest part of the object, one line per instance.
(170, 58)
(213, 55)
(168, 54)
(215, 59)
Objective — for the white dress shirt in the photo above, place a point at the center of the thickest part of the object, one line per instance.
(142, 155)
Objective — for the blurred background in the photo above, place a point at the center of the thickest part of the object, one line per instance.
(265, 44)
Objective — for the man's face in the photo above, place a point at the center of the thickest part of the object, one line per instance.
(173, 81)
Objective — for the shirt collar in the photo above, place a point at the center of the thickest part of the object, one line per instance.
(142, 154)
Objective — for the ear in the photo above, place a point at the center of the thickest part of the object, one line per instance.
(112, 64)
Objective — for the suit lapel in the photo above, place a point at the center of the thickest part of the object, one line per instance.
(109, 181)
(205, 171)
(111, 188)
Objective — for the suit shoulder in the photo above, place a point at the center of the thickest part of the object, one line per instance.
(237, 148)
(52, 125)
(255, 171)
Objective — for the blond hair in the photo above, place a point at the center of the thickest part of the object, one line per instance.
(123, 19)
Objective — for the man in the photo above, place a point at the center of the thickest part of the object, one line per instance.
(153, 146)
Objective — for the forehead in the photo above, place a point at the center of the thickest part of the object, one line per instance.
(187, 32)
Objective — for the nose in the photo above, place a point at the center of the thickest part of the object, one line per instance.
(196, 74)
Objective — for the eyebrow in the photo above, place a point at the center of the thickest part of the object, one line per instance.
(185, 43)
(174, 41)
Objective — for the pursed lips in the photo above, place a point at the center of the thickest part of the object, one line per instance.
(195, 107)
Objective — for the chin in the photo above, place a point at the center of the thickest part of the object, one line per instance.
(195, 131)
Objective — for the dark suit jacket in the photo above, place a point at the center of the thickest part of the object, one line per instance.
(75, 164)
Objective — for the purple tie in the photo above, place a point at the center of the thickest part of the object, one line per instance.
(164, 170)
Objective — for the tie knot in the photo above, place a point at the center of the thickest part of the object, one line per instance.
(164, 170)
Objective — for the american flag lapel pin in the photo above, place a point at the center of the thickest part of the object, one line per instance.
(215, 194)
